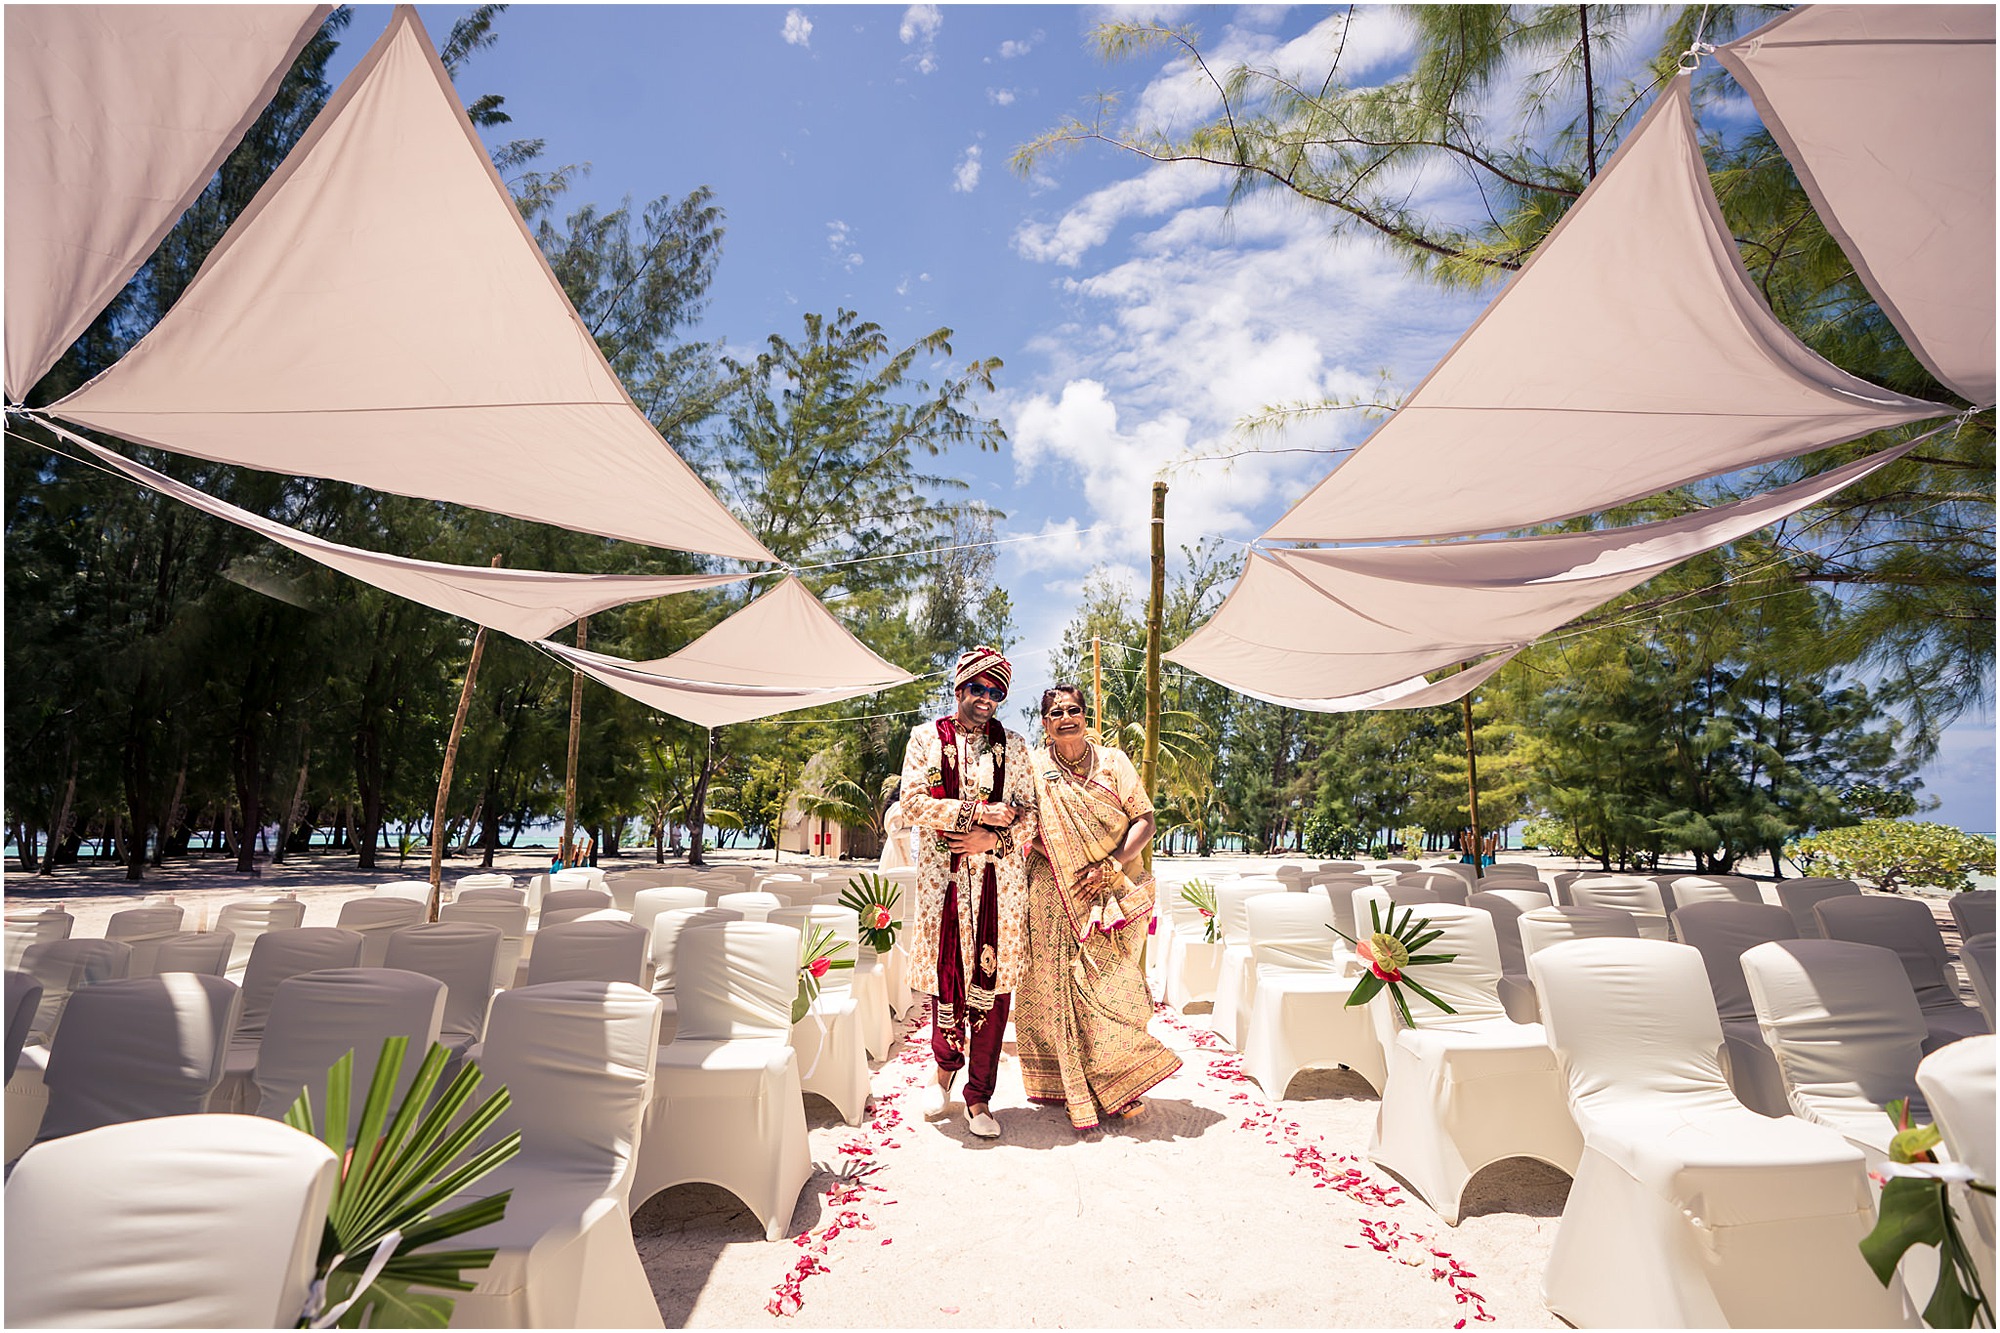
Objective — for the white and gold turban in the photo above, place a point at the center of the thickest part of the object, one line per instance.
(983, 661)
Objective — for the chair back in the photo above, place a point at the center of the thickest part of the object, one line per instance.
(666, 933)
(91, 1242)
(1470, 983)
(63, 967)
(1720, 931)
(1844, 1025)
(316, 1017)
(1443, 886)
(1506, 913)
(1973, 912)
(576, 1058)
(1977, 955)
(1800, 896)
(735, 981)
(510, 919)
(1338, 890)
(190, 951)
(375, 920)
(1678, 891)
(1458, 870)
(1630, 1020)
(578, 877)
(844, 922)
(1293, 932)
(29, 926)
(410, 890)
(1903, 924)
(564, 898)
(460, 954)
(143, 928)
(1399, 866)
(1364, 920)
(485, 880)
(588, 951)
(1544, 926)
(1345, 867)
(1630, 893)
(495, 893)
(1524, 900)
(135, 1049)
(1957, 1083)
(1415, 895)
(563, 916)
(249, 918)
(24, 995)
(278, 956)
(647, 904)
(1232, 906)
(753, 905)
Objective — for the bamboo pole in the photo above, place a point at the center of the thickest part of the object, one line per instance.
(444, 775)
(1472, 788)
(1149, 769)
(1096, 692)
(575, 740)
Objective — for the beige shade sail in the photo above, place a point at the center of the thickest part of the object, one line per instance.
(117, 116)
(1630, 354)
(1309, 627)
(381, 315)
(782, 652)
(1886, 113)
(526, 603)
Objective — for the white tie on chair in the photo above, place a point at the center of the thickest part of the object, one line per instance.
(1976, 953)
(143, 928)
(460, 954)
(727, 1107)
(1907, 926)
(137, 1049)
(1800, 896)
(375, 920)
(1721, 931)
(1298, 1018)
(317, 1017)
(576, 1058)
(1629, 893)
(249, 919)
(509, 918)
(1469, 1088)
(1689, 1210)
(276, 957)
(1957, 1084)
(27, 926)
(1846, 1031)
(193, 1221)
(607, 950)
(1235, 980)
(754, 906)
(833, 1056)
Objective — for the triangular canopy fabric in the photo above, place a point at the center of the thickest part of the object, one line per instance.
(1310, 627)
(526, 603)
(117, 116)
(1886, 113)
(1630, 354)
(782, 652)
(381, 315)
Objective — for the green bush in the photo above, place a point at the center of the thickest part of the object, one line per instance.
(1412, 839)
(1551, 835)
(1894, 852)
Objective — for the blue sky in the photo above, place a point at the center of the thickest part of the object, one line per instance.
(861, 154)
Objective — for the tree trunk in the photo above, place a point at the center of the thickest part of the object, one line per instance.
(698, 802)
(25, 835)
(244, 757)
(292, 810)
(59, 830)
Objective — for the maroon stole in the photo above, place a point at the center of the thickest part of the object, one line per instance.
(954, 991)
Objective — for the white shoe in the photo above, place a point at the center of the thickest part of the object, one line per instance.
(983, 1125)
(936, 1097)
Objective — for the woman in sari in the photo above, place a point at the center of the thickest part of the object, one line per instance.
(1082, 1006)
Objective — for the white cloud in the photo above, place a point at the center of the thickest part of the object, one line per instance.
(966, 178)
(838, 240)
(1090, 222)
(798, 28)
(1001, 96)
(920, 29)
(1014, 47)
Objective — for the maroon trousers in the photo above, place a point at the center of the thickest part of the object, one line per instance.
(951, 1045)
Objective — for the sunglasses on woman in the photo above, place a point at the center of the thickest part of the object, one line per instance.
(978, 691)
(1066, 710)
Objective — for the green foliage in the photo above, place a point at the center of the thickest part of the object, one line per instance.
(1552, 835)
(399, 1165)
(1891, 853)
(873, 899)
(1390, 951)
(1412, 840)
(1327, 839)
(1200, 895)
(1867, 800)
(1915, 1209)
(819, 950)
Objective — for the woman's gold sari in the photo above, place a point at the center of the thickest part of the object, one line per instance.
(1081, 1010)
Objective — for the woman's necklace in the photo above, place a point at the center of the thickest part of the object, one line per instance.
(1079, 765)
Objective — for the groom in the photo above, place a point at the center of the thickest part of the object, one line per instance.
(969, 795)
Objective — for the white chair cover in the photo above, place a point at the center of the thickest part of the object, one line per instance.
(576, 1058)
(495, 893)
(488, 879)
(1560, 881)
(727, 1106)
(249, 918)
(93, 1242)
(1545, 926)
(1907, 926)
(1721, 930)
(1678, 891)
(1457, 870)
(319, 1016)
(26, 926)
(136, 1049)
(65, 966)
(568, 897)
(563, 916)
(1800, 896)
(1190, 965)
(510, 919)
(589, 951)
(24, 995)
(1957, 1084)
(1517, 993)
(1469, 1088)
(411, 890)
(1235, 981)
(1846, 1032)
(276, 957)
(1339, 892)
(833, 1054)
(143, 928)
(1973, 912)
(578, 877)
(755, 906)
(461, 954)
(1344, 866)
(1977, 955)
(648, 903)
(375, 919)
(1442, 886)
(1631, 893)
(1689, 1210)
(1298, 1017)
(190, 951)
